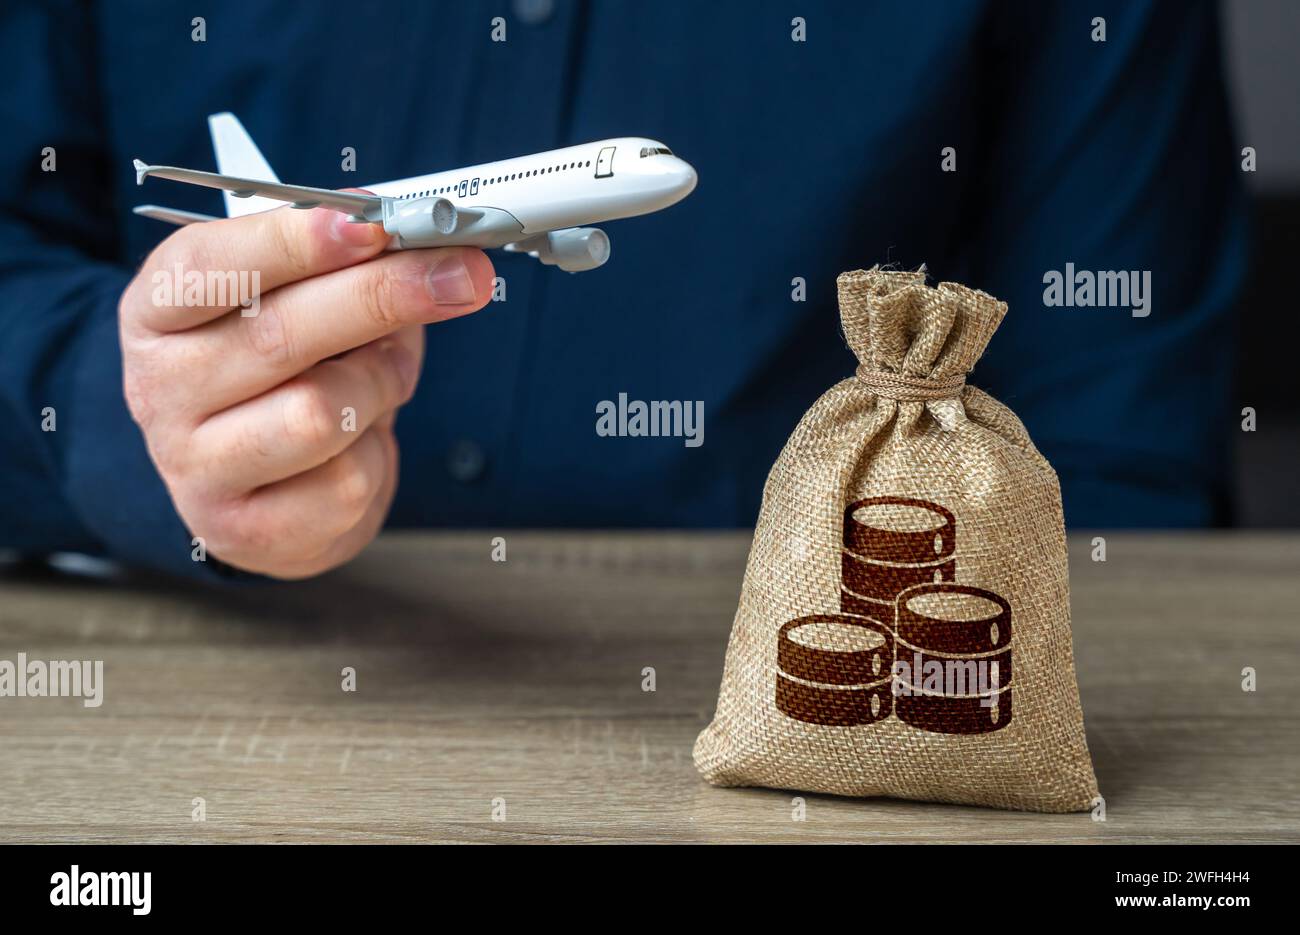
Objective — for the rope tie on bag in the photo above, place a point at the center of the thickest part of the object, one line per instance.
(906, 389)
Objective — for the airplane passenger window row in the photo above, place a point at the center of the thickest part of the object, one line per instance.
(507, 178)
(518, 175)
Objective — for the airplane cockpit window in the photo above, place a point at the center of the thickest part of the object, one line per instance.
(655, 151)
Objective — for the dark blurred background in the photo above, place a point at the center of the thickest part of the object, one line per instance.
(529, 431)
(1260, 43)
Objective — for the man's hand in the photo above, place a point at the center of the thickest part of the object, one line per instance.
(246, 418)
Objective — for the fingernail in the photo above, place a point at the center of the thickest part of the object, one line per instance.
(354, 235)
(449, 280)
(404, 362)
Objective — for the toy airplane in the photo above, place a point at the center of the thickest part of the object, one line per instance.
(537, 204)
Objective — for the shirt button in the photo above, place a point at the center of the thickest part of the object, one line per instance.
(466, 461)
(534, 12)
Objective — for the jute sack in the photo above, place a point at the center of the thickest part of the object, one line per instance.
(904, 623)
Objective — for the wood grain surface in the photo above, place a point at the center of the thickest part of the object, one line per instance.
(521, 682)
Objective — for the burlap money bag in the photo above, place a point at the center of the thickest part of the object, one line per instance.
(904, 623)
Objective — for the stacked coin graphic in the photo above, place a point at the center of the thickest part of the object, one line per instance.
(890, 545)
(953, 643)
(908, 641)
(834, 669)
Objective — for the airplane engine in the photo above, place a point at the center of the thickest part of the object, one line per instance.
(576, 249)
(422, 221)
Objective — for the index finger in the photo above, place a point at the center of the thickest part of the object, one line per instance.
(203, 271)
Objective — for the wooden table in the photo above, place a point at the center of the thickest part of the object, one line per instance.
(520, 682)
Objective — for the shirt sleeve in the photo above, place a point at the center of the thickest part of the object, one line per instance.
(1113, 156)
(73, 466)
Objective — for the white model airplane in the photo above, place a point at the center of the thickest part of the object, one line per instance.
(539, 205)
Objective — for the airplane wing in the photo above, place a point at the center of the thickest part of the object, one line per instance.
(417, 222)
(359, 206)
(172, 215)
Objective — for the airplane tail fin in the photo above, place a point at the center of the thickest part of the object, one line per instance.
(239, 156)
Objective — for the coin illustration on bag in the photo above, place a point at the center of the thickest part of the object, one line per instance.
(948, 645)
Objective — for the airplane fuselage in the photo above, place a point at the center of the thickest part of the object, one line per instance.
(563, 188)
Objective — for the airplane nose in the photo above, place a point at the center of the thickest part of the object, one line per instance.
(681, 177)
(667, 179)
(688, 178)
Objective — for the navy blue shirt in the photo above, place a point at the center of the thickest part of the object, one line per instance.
(814, 157)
